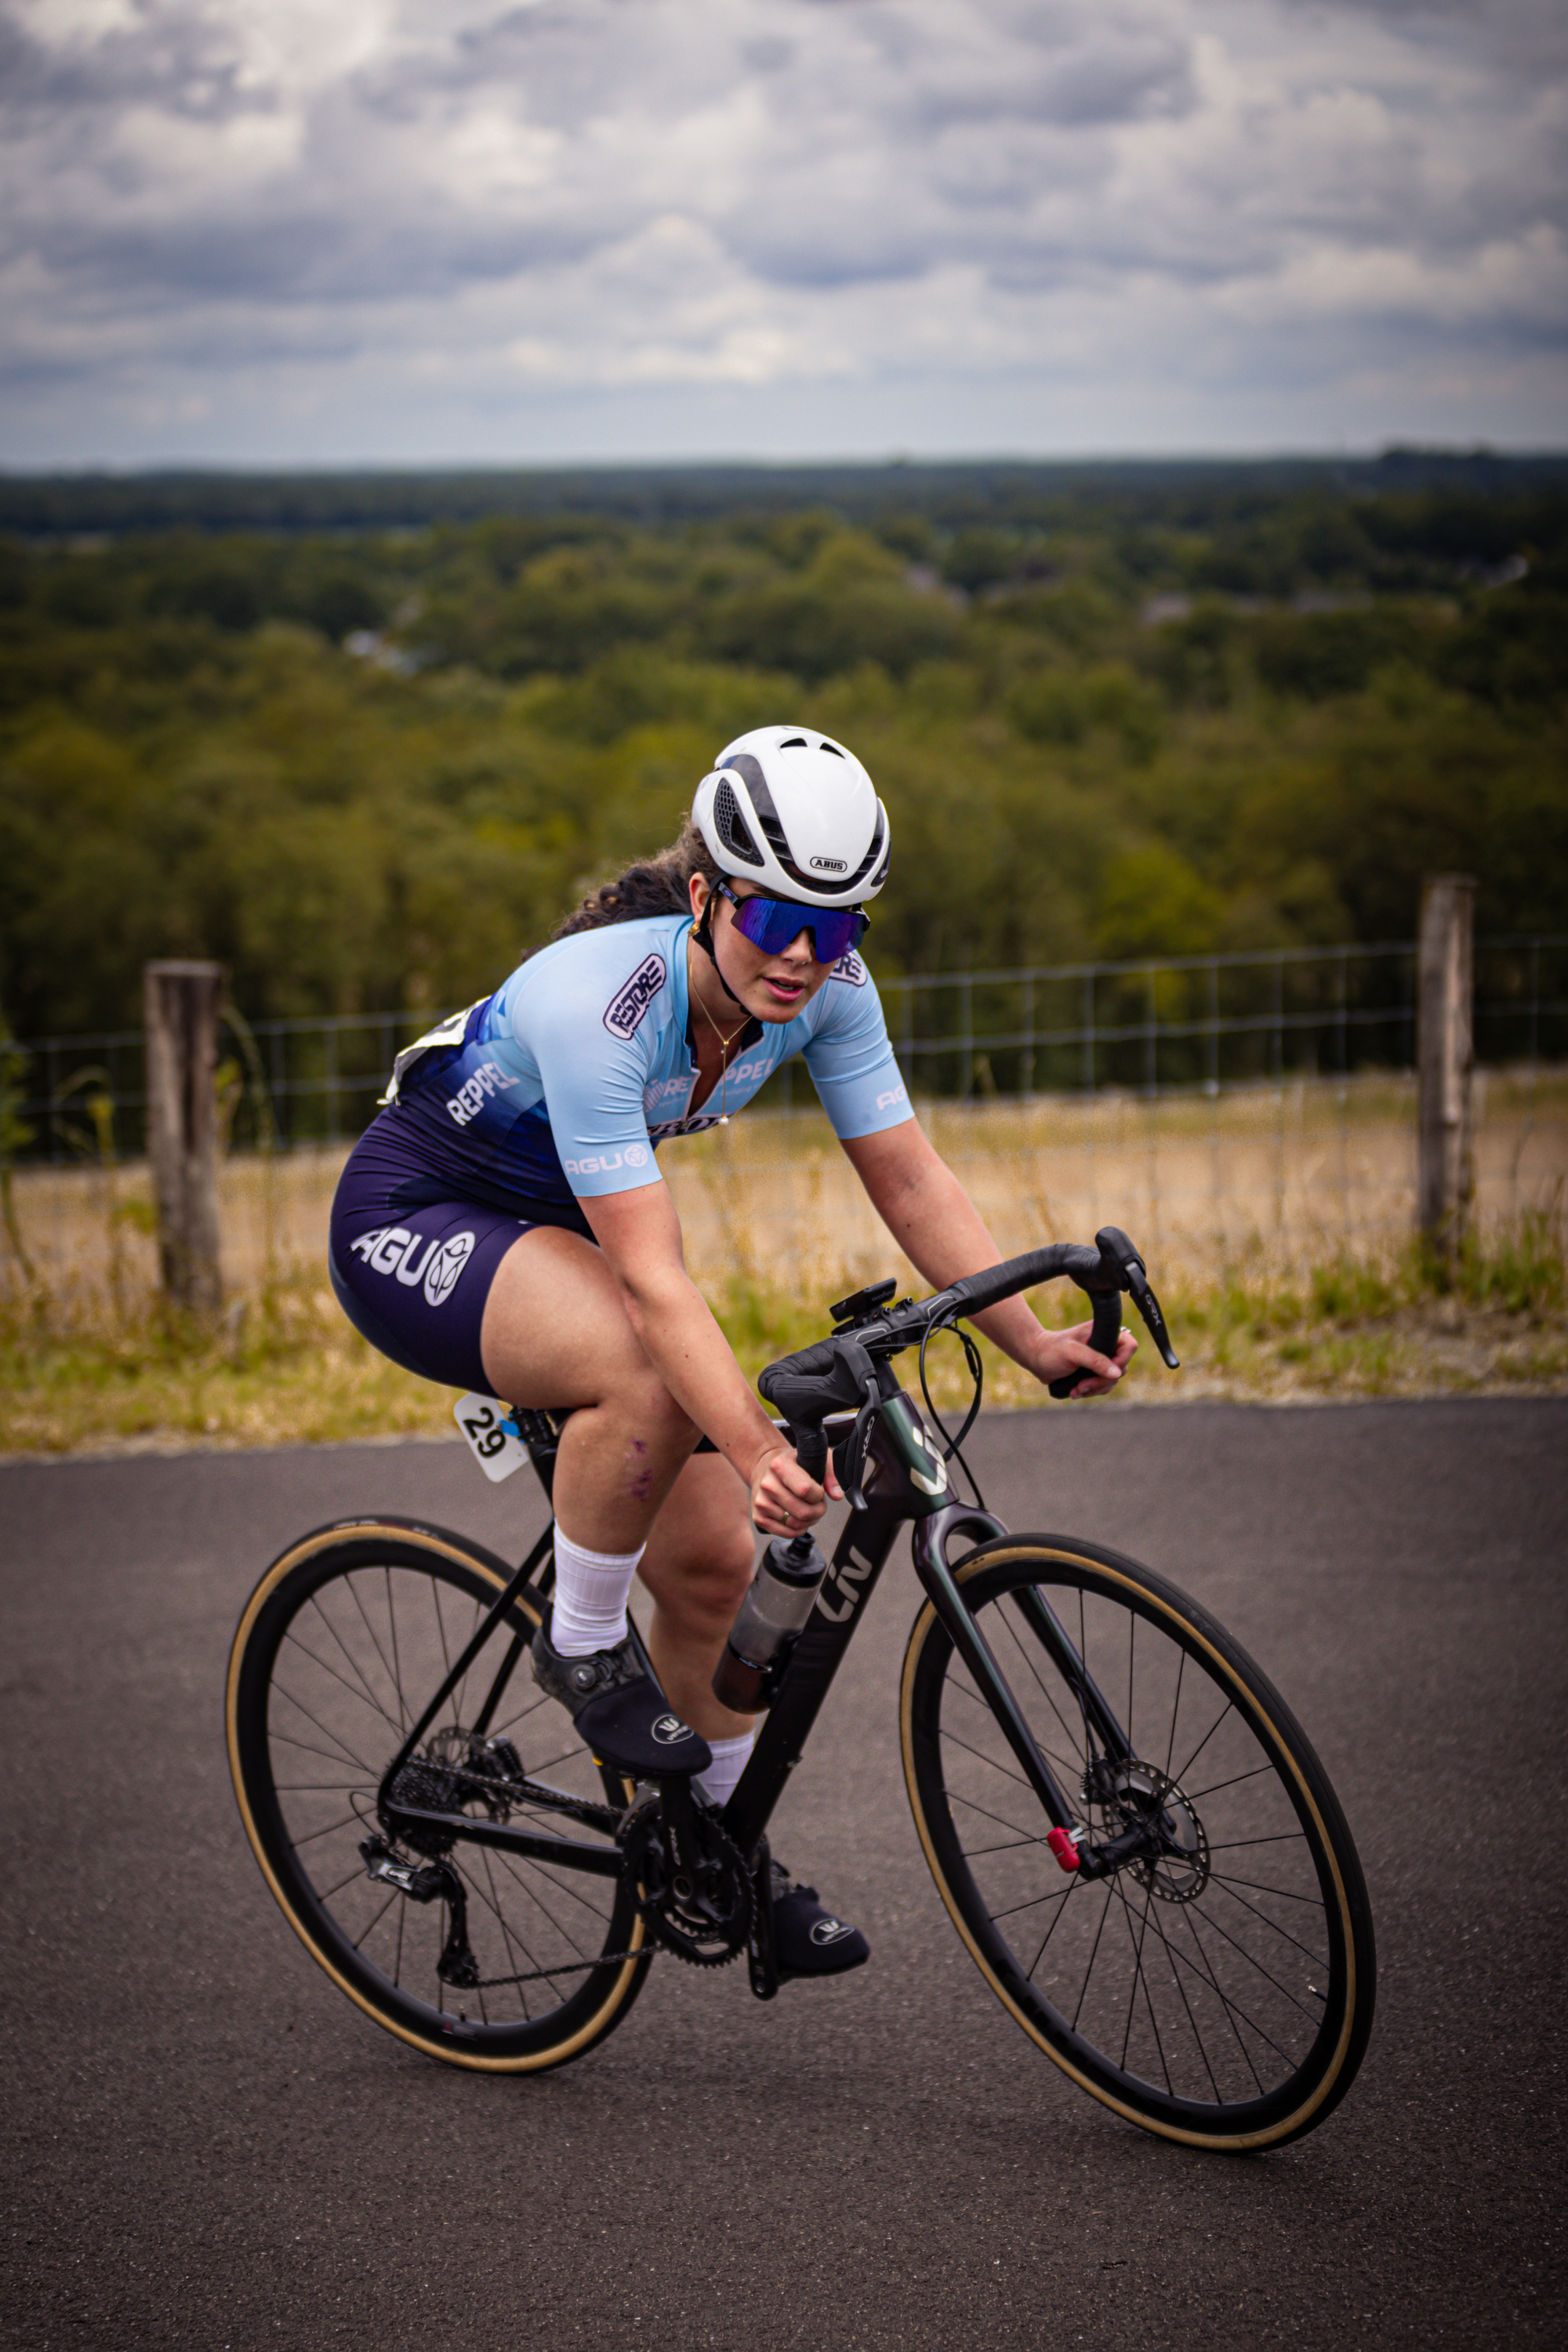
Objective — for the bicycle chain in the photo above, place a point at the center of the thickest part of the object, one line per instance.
(531, 1792)
(571, 1969)
(606, 1817)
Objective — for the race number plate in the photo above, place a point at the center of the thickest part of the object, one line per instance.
(498, 1450)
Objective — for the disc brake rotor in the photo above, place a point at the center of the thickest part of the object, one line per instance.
(1135, 1795)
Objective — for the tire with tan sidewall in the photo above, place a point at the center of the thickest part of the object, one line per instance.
(997, 1570)
(595, 2004)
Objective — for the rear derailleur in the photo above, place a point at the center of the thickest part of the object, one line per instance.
(430, 1881)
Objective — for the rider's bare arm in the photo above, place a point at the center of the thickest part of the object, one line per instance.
(942, 1234)
(639, 1234)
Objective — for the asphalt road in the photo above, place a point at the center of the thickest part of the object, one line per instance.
(207, 2145)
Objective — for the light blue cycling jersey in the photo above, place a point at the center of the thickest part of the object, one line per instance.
(565, 1082)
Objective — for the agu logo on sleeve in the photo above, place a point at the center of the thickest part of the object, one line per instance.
(446, 1265)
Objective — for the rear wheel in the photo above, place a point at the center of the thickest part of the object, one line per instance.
(1217, 1988)
(340, 1647)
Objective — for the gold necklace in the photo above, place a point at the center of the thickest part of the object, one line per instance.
(724, 1045)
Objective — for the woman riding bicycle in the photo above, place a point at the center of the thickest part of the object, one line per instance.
(502, 1226)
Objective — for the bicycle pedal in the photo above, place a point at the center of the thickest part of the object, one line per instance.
(762, 1961)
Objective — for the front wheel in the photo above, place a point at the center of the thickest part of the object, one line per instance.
(339, 1649)
(1216, 1987)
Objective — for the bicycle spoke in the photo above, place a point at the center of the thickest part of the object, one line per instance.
(1286, 1894)
(1175, 1710)
(1093, 1955)
(990, 1762)
(539, 1903)
(387, 1668)
(957, 1798)
(1079, 1760)
(1073, 1767)
(1141, 1980)
(1275, 1929)
(512, 1963)
(1228, 1710)
(1252, 1962)
(344, 1751)
(396, 1662)
(315, 1788)
(353, 1662)
(375, 1923)
(1056, 1895)
(1071, 1888)
(1235, 1782)
(306, 1651)
(350, 1820)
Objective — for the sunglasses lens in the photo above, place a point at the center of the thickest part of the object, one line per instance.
(770, 924)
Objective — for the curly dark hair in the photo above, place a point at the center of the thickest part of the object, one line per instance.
(660, 884)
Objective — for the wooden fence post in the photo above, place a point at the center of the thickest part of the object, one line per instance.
(181, 1015)
(1445, 984)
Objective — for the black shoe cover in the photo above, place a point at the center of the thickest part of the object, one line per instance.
(807, 1940)
(619, 1711)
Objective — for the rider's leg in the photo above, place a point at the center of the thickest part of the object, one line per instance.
(696, 1566)
(555, 1333)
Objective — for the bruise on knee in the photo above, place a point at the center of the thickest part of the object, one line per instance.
(639, 1479)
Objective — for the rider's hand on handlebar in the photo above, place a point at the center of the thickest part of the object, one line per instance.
(1064, 1350)
(785, 1500)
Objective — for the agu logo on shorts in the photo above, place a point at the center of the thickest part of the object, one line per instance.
(394, 1249)
(446, 1265)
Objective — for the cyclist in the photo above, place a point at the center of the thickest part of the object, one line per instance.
(502, 1226)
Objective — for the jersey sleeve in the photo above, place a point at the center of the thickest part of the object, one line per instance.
(587, 1033)
(850, 1057)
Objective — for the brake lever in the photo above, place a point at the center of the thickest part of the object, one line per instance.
(1148, 1307)
(857, 1445)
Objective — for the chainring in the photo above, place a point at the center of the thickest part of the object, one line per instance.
(698, 1904)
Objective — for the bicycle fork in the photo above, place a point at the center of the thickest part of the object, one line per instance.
(1067, 1838)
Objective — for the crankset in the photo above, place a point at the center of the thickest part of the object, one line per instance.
(689, 1878)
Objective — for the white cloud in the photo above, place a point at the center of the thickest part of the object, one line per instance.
(259, 228)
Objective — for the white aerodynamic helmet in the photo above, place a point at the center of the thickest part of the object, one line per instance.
(798, 815)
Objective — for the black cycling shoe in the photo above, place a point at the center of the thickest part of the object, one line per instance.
(620, 1710)
(807, 1940)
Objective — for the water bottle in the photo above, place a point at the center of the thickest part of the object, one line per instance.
(769, 1622)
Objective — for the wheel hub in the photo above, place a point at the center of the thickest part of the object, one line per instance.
(1132, 1796)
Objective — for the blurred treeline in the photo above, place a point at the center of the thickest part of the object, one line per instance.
(1112, 711)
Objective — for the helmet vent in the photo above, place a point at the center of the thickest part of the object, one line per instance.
(796, 743)
(825, 746)
(730, 825)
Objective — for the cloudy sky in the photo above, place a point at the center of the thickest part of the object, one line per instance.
(280, 231)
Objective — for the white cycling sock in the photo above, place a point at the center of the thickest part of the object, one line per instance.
(728, 1763)
(590, 1599)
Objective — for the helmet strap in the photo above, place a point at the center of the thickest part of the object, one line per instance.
(702, 932)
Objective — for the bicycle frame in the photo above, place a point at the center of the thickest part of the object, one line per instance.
(904, 1481)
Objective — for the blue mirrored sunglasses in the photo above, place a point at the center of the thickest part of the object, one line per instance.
(770, 924)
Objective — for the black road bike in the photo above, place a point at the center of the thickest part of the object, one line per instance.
(1128, 1828)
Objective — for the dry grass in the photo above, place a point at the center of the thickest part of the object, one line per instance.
(1275, 1227)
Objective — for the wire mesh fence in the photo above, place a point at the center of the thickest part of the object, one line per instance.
(1203, 1024)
